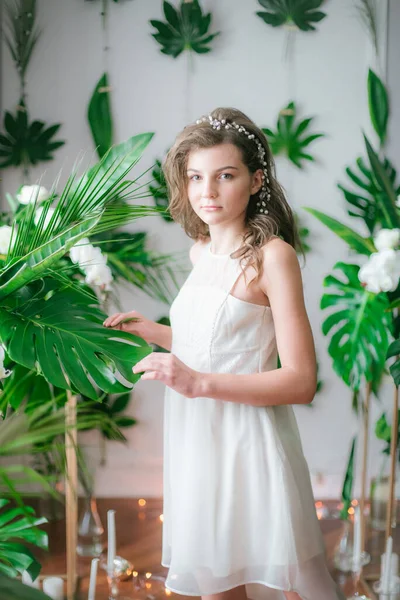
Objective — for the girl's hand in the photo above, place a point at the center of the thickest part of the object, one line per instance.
(171, 371)
(132, 322)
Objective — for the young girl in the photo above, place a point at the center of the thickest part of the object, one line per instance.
(238, 502)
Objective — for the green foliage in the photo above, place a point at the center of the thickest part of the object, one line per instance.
(99, 116)
(354, 240)
(160, 193)
(297, 13)
(347, 490)
(60, 332)
(378, 102)
(154, 274)
(20, 34)
(25, 143)
(12, 589)
(364, 199)
(19, 525)
(359, 327)
(184, 29)
(290, 138)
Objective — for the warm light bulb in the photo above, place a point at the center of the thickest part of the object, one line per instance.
(148, 575)
(351, 510)
(167, 592)
(142, 502)
(354, 502)
(161, 517)
(134, 573)
(318, 504)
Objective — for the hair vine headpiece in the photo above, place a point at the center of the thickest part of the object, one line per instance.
(265, 192)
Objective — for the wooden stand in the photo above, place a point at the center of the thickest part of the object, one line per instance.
(393, 459)
(366, 404)
(71, 494)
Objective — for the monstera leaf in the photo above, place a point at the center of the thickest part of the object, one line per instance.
(25, 143)
(99, 116)
(185, 29)
(60, 333)
(12, 589)
(359, 327)
(365, 200)
(378, 104)
(352, 238)
(297, 13)
(290, 138)
(19, 525)
(160, 193)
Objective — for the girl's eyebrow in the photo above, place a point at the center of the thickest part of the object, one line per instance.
(217, 170)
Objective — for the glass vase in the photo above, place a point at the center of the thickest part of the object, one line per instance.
(90, 530)
(379, 495)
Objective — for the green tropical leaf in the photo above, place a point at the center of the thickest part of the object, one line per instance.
(347, 490)
(99, 116)
(20, 525)
(394, 350)
(20, 33)
(298, 13)
(367, 199)
(288, 139)
(54, 335)
(12, 589)
(352, 238)
(184, 29)
(387, 200)
(378, 103)
(24, 143)
(160, 192)
(359, 327)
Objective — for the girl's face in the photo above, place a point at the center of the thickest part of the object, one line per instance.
(220, 184)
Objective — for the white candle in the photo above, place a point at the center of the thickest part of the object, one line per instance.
(27, 580)
(54, 587)
(385, 581)
(357, 540)
(93, 578)
(394, 567)
(111, 540)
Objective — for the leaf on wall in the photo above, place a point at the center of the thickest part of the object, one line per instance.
(300, 14)
(378, 103)
(290, 138)
(184, 29)
(99, 116)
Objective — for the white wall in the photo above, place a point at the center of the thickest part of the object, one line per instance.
(152, 92)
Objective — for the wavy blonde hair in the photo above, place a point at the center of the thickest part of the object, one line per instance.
(260, 228)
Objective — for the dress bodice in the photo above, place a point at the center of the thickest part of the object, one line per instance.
(213, 331)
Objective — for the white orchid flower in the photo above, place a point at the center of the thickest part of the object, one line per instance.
(28, 193)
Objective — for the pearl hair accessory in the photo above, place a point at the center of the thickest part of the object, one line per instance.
(265, 192)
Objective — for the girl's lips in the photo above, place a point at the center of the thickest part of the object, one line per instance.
(211, 207)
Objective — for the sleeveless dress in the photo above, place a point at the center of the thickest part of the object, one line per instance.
(238, 502)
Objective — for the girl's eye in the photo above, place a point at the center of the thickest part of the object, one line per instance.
(228, 175)
(193, 178)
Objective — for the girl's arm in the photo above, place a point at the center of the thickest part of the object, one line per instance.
(295, 382)
(162, 336)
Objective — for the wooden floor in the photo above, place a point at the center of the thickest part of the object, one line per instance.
(139, 535)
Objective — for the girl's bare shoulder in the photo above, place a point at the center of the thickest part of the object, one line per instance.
(197, 248)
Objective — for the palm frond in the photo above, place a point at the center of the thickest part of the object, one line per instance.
(367, 10)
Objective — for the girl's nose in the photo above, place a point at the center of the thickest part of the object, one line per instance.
(209, 189)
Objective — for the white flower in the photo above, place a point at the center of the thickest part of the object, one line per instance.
(92, 262)
(38, 214)
(28, 193)
(100, 275)
(387, 238)
(5, 237)
(75, 251)
(381, 273)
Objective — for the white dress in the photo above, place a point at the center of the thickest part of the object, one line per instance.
(238, 502)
